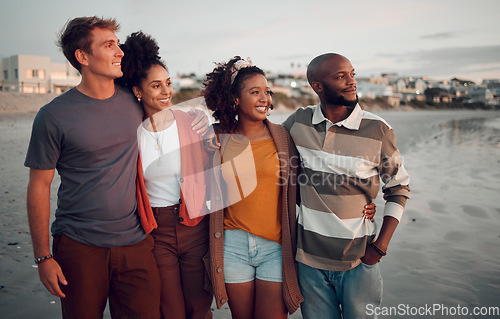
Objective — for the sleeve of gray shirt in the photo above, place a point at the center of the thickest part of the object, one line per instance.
(44, 148)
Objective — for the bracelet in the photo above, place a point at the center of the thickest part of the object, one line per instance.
(39, 260)
(380, 251)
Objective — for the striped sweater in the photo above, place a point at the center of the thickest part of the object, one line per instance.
(342, 166)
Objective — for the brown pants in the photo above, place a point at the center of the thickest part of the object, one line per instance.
(179, 252)
(126, 274)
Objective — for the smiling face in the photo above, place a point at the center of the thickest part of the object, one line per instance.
(155, 91)
(104, 57)
(255, 99)
(337, 85)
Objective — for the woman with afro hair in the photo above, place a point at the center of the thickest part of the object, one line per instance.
(171, 196)
(252, 243)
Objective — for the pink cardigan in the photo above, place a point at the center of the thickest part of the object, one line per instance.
(193, 183)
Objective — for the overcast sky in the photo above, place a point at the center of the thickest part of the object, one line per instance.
(435, 38)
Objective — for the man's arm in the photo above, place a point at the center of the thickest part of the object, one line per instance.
(372, 256)
(396, 191)
(38, 205)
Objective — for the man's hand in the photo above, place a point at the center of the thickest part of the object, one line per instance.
(369, 211)
(371, 256)
(201, 123)
(51, 275)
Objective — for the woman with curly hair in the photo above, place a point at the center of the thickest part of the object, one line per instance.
(252, 240)
(171, 196)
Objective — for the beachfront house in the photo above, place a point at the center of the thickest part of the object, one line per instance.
(36, 74)
(486, 96)
(410, 88)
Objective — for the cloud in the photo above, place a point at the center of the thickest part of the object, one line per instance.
(443, 61)
(459, 57)
(477, 62)
(439, 36)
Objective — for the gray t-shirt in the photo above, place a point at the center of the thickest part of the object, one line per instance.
(93, 145)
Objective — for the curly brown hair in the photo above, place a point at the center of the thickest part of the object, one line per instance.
(141, 53)
(76, 35)
(220, 93)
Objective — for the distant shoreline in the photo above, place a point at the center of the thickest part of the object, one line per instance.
(26, 103)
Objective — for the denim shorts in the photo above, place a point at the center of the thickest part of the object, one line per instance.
(247, 257)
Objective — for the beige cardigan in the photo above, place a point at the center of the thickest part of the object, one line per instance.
(214, 262)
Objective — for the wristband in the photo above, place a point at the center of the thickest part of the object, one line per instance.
(39, 260)
(380, 251)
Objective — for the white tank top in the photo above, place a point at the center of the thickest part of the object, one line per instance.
(161, 165)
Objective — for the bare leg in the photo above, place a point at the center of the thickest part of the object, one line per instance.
(269, 301)
(241, 299)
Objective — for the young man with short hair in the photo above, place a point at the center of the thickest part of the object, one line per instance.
(88, 134)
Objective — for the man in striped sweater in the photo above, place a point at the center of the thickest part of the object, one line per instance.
(345, 153)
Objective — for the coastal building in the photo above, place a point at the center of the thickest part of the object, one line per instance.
(406, 88)
(36, 74)
(190, 82)
(378, 90)
(461, 88)
(491, 83)
(290, 86)
(372, 90)
(486, 96)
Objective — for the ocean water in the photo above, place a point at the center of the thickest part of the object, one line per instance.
(449, 240)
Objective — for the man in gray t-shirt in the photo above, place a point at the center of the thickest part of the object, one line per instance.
(93, 145)
(89, 135)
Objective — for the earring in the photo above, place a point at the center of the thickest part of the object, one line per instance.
(270, 108)
(139, 99)
(235, 107)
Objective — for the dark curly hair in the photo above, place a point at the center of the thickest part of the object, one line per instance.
(141, 53)
(219, 93)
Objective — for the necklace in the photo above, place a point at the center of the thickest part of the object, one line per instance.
(157, 139)
(158, 136)
(264, 129)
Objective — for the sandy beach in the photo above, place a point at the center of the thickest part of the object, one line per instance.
(444, 251)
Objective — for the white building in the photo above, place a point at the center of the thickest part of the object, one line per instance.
(186, 83)
(491, 83)
(290, 86)
(373, 90)
(36, 74)
(486, 96)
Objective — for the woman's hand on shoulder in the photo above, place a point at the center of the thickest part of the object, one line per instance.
(369, 211)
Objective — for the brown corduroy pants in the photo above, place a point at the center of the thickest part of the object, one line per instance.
(127, 275)
(179, 251)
